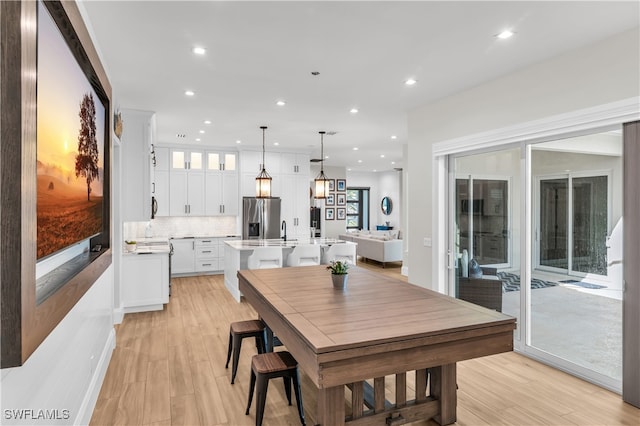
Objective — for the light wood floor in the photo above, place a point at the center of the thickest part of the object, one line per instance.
(168, 368)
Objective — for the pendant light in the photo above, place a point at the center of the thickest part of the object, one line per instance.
(321, 181)
(263, 180)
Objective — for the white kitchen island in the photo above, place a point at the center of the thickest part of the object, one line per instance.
(238, 251)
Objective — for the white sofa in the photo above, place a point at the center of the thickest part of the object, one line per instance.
(380, 246)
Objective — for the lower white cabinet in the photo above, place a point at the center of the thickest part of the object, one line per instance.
(145, 282)
(183, 259)
(193, 256)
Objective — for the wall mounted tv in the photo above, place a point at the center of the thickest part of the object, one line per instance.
(71, 133)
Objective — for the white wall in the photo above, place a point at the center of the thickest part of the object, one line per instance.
(381, 184)
(330, 228)
(595, 75)
(66, 370)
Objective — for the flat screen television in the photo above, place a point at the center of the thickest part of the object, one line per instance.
(71, 132)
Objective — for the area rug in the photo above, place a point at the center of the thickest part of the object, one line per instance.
(583, 284)
(511, 282)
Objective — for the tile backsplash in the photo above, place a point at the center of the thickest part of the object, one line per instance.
(182, 226)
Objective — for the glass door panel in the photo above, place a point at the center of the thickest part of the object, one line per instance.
(590, 207)
(554, 223)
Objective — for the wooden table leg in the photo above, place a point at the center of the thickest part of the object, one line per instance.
(443, 388)
(331, 406)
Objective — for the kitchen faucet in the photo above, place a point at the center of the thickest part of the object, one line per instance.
(284, 227)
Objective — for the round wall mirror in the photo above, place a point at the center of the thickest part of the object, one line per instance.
(386, 205)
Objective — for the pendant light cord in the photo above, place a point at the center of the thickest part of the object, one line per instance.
(263, 129)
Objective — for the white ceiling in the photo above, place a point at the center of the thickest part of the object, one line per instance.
(261, 52)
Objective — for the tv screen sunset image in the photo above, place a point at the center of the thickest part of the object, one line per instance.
(70, 142)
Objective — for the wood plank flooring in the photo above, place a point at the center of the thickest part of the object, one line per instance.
(168, 369)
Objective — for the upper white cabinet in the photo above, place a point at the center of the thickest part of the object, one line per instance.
(186, 193)
(187, 160)
(294, 164)
(221, 184)
(138, 132)
(222, 161)
(162, 158)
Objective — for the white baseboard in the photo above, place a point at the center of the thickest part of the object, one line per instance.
(91, 397)
(118, 315)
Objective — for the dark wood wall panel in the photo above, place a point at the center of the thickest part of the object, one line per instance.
(10, 174)
(631, 304)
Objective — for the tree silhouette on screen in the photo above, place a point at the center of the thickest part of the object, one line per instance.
(87, 157)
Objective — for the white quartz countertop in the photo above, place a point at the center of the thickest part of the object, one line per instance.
(252, 244)
(204, 236)
(149, 246)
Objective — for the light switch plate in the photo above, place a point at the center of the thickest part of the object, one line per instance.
(427, 242)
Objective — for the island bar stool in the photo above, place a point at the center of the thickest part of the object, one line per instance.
(344, 252)
(265, 258)
(271, 365)
(304, 256)
(238, 331)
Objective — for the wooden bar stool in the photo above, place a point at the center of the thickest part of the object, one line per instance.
(238, 331)
(268, 366)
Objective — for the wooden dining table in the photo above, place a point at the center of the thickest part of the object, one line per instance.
(377, 327)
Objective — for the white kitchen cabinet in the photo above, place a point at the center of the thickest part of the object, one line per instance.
(183, 259)
(192, 256)
(291, 163)
(295, 205)
(162, 158)
(207, 256)
(182, 159)
(136, 141)
(251, 162)
(186, 193)
(145, 282)
(222, 194)
(160, 190)
(222, 161)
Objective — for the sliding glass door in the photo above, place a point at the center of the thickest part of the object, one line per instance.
(573, 224)
(546, 220)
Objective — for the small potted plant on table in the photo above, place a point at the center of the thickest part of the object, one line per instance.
(339, 273)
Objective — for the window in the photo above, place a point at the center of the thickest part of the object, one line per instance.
(357, 208)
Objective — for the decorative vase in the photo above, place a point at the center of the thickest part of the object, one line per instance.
(464, 263)
(339, 281)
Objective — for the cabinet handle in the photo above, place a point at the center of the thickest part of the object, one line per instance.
(153, 191)
(222, 166)
(206, 264)
(206, 251)
(185, 209)
(223, 208)
(206, 241)
(193, 245)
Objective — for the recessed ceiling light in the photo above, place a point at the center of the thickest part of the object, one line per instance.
(238, 141)
(410, 81)
(359, 161)
(394, 137)
(189, 92)
(326, 157)
(354, 110)
(197, 139)
(505, 34)
(199, 50)
(348, 170)
(276, 143)
(281, 103)
(375, 170)
(201, 131)
(207, 121)
(381, 155)
(393, 162)
(355, 148)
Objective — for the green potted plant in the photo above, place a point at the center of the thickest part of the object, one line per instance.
(131, 245)
(339, 273)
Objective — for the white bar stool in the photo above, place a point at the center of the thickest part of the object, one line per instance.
(304, 256)
(344, 252)
(265, 258)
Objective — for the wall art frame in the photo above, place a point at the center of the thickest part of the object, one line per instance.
(25, 323)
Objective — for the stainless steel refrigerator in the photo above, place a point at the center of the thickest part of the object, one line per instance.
(260, 218)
